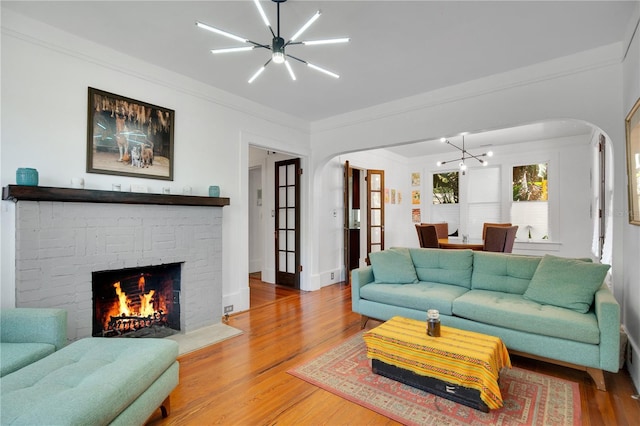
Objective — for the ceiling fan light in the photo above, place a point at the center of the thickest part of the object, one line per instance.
(305, 26)
(439, 163)
(490, 154)
(317, 68)
(326, 41)
(232, 49)
(256, 75)
(222, 33)
(443, 140)
(288, 65)
(262, 14)
(278, 57)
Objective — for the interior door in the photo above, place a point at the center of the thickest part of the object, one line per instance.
(375, 211)
(345, 219)
(287, 222)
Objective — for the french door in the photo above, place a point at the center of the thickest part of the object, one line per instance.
(287, 222)
(375, 211)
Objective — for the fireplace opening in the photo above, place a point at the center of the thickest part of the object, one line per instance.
(137, 302)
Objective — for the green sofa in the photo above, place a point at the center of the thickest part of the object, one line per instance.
(550, 308)
(29, 334)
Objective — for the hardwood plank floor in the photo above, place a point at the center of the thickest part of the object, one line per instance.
(244, 380)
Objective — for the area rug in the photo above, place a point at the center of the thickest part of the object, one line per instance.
(529, 398)
(198, 339)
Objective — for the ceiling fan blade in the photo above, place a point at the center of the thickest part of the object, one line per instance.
(232, 49)
(288, 65)
(222, 33)
(264, 16)
(305, 26)
(317, 68)
(257, 74)
(326, 41)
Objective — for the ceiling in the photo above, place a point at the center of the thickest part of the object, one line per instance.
(397, 48)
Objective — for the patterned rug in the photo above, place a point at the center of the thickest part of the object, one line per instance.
(529, 398)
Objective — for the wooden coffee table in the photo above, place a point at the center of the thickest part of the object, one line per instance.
(460, 365)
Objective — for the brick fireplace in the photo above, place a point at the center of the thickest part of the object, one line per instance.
(63, 236)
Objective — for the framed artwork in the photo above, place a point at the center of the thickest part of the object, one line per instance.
(416, 216)
(415, 197)
(415, 179)
(126, 137)
(632, 124)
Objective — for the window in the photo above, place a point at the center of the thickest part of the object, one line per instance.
(446, 197)
(530, 206)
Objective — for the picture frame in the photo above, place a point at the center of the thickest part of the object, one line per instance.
(127, 137)
(632, 125)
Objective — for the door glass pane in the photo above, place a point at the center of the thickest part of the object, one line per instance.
(291, 218)
(282, 219)
(375, 248)
(375, 182)
(282, 194)
(376, 218)
(282, 177)
(376, 200)
(291, 194)
(291, 240)
(282, 266)
(375, 235)
(282, 240)
(291, 174)
(291, 263)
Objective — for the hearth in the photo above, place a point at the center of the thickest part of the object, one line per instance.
(137, 302)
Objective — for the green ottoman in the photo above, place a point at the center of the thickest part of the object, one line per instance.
(95, 381)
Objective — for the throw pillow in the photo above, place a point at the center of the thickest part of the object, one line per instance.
(393, 266)
(567, 283)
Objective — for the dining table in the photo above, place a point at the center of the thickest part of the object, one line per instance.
(459, 244)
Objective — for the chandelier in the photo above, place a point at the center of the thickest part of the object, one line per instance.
(465, 155)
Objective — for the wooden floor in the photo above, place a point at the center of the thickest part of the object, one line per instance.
(244, 380)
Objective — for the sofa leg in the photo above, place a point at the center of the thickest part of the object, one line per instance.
(165, 407)
(598, 377)
(363, 321)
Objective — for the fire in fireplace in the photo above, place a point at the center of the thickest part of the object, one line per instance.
(137, 302)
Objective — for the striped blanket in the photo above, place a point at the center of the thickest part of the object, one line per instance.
(464, 358)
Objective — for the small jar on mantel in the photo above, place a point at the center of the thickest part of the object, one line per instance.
(433, 323)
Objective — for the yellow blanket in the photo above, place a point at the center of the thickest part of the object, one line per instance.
(464, 358)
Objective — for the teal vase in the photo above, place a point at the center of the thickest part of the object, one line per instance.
(27, 176)
(214, 191)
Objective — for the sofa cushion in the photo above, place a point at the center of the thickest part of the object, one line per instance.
(443, 266)
(503, 272)
(14, 356)
(514, 312)
(567, 283)
(393, 266)
(421, 296)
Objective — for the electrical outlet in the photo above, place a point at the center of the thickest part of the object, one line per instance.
(333, 275)
(228, 308)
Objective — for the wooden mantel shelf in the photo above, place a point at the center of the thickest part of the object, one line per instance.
(44, 193)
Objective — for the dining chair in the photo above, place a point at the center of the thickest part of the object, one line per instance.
(427, 236)
(510, 238)
(442, 229)
(487, 224)
(500, 239)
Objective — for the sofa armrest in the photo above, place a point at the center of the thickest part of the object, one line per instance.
(359, 277)
(34, 325)
(607, 311)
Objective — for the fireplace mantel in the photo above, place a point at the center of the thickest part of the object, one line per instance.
(44, 193)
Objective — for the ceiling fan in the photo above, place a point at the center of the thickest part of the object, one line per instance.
(278, 44)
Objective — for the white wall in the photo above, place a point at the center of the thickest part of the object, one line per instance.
(631, 233)
(45, 76)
